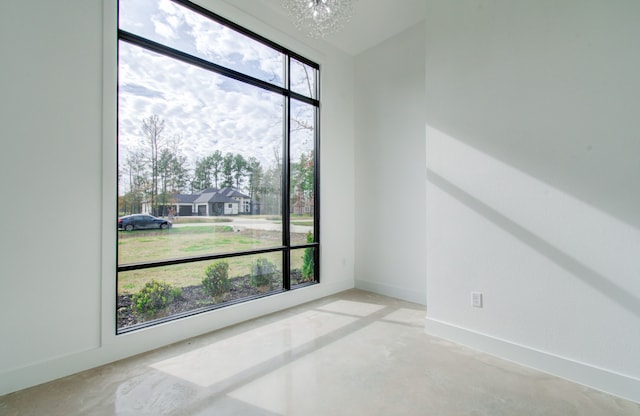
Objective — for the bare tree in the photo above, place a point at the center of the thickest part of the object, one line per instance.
(135, 171)
(152, 128)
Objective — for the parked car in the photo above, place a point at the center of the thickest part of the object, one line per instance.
(142, 222)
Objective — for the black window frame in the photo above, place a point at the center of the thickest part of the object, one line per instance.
(288, 95)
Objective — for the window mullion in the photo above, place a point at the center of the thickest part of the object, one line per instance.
(286, 185)
(316, 190)
(161, 49)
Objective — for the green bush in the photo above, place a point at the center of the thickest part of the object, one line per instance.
(307, 259)
(216, 281)
(154, 296)
(262, 272)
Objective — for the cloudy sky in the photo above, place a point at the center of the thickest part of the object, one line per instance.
(207, 111)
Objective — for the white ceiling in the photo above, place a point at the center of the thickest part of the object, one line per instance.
(373, 22)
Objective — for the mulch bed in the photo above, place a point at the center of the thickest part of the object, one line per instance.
(193, 297)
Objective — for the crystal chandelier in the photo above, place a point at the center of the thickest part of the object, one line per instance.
(319, 17)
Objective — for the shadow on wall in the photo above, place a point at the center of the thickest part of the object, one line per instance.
(588, 243)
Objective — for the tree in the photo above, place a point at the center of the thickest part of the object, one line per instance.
(255, 174)
(152, 128)
(307, 259)
(227, 170)
(207, 171)
(172, 173)
(201, 175)
(215, 164)
(135, 170)
(271, 186)
(239, 168)
(302, 174)
(178, 172)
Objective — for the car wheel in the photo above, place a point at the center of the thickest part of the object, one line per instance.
(163, 225)
(129, 227)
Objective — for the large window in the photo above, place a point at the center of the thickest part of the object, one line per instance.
(217, 164)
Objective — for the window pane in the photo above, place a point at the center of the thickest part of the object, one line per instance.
(183, 288)
(180, 28)
(201, 159)
(198, 150)
(302, 171)
(303, 79)
(302, 266)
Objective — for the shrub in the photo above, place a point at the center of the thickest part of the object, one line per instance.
(262, 273)
(216, 282)
(307, 259)
(154, 296)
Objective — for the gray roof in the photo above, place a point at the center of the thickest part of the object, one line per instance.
(224, 195)
(231, 192)
(213, 197)
(185, 198)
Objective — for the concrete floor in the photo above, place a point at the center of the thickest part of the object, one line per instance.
(355, 353)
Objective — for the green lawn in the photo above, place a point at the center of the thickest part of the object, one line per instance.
(307, 223)
(189, 274)
(197, 220)
(149, 245)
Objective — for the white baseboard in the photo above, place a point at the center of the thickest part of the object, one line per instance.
(392, 291)
(620, 385)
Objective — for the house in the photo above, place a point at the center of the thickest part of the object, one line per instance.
(185, 204)
(505, 132)
(208, 202)
(212, 201)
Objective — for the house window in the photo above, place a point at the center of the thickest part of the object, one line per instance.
(209, 113)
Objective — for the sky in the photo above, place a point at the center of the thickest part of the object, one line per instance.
(203, 110)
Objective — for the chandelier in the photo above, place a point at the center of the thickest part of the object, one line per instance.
(319, 17)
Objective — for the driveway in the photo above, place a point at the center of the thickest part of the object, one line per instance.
(249, 223)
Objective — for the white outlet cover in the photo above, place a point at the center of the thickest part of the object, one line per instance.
(476, 299)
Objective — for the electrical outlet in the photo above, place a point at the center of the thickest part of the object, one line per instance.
(476, 299)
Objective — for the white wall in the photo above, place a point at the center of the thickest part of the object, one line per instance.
(390, 167)
(532, 193)
(532, 151)
(50, 120)
(58, 174)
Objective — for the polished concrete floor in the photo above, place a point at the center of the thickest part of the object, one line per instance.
(355, 353)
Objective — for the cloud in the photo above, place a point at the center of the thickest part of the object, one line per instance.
(208, 111)
(164, 30)
(139, 90)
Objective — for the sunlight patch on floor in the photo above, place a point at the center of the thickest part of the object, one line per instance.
(226, 358)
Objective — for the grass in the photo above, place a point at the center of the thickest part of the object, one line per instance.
(202, 229)
(197, 220)
(191, 274)
(150, 245)
(208, 238)
(307, 223)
